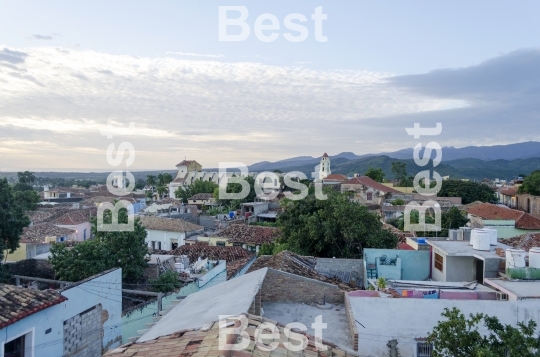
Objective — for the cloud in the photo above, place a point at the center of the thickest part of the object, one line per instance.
(194, 55)
(41, 37)
(221, 111)
(13, 57)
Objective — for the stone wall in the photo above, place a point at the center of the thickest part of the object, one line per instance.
(83, 333)
(279, 286)
(352, 323)
(528, 203)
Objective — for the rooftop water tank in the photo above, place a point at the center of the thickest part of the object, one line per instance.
(482, 241)
(534, 257)
(474, 234)
(493, 234)
(421, 241)
(515, 258)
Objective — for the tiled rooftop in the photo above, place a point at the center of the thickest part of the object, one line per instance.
(524, 241)
(76, 217)
(235, 266)
(205, 343)
(168, 224)
(201, 196)
(292, 263)
(494, 212)
(17, 303)
(38, 232)
(194, 251)
(369, 182)
(240, 233)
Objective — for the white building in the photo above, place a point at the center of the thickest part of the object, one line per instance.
(168, 233)
(323, 169)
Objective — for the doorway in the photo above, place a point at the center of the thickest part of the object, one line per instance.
(480, 271)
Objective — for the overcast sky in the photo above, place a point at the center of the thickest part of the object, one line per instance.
(68, 68)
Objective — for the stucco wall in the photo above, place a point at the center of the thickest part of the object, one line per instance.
(164, 237)
(521, 202)
(460, 268)
(104, 290)
(79, 236)
(414, 263)
(407, 319)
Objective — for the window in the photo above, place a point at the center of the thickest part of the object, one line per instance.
(220, 243)
(19, 347)
(84, 234)
(439, 260)
(153, 244)
(369, 196)
(424, 349)
(159, 245)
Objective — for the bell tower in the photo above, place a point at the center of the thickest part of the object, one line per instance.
(324, 167)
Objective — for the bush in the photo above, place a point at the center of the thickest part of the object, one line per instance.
(165, 283)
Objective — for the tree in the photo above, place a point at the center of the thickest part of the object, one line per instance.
(399, 170)
(167, 178)
(531, 184)
(150, 180)
(198, 186)
(459, 336)
(161, 190)
(376, 174)
(469, 191)
(237, 188)
(336, 227)
(12, 220)
(27, 200)
(166, 282)
(451, 219)
(107, 250)
(26, 177)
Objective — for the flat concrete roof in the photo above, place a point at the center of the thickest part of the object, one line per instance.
(162, 258)
(461, 248)
(232, 297)
(268, 215)
(433, 285)
(337, 329)
(521, 289)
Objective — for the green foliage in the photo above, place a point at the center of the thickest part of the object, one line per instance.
(459, 336)
(265, 224)
(469, 191)
(376, 174)
(12, 220)
(28, 200)
(531, 184)
(267, 249)
(26, 177)
(451, 219)
(150, 180)
(381, 282)
(398, 202)
(197, 186)
(336, 227)
(107, 250)
(165, 283)
(237, 188)
(399, 170)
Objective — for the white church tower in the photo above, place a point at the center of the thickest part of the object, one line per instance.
(324, 167)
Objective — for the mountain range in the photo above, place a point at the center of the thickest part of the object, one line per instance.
(471, 162)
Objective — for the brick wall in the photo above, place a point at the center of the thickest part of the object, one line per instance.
(353, 330)
(279, 286)
(83, 334)
(255, 308)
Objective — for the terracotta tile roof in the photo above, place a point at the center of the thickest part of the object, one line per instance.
(402, 236)
(509, 191)
(241, 233)
(325, 155)
(17, 303)
(495, 212)
(405, 246)
(235, 266)
(76, 217)
(369, 182)
(202, 196)
(38, 232)
(229, 254)
(168, 224)
(186, 162)
(170, 200)
(336, 177)
(292, 263)
(38, 216)
(201, 343)
(178, 180)
(524, 241)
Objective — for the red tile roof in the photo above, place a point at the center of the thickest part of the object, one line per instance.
(509, 191)
(325, 155)
(240, 233)
(369, 182)
(336, 177)
(76, 217)
(495, 212)
(405, 246)
(38, 232)
(202, 196)
(194, 251)
(187, 162)
(17, 303)
(524, 241)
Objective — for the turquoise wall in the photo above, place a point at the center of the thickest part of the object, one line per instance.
(414, 263)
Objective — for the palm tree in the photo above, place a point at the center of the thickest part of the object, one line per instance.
(161, 190)
(167, 178)
(151, 180)
(26, 177)
(161, 179)
(22, 177)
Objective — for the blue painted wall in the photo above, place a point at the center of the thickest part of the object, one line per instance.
(414, 263)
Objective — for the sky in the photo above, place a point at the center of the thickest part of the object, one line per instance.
(358, 78)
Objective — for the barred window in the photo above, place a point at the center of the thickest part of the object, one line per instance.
(439, 260)
(424, 349)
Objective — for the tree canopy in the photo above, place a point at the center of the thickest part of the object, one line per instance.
(458, 336)
(107, 250)
(198, 186)
(336, 227)
(12, 220)
(531, 184)
(399, 170)
(237, 188)
(469, 191)
(25, 196)
(376, 174)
